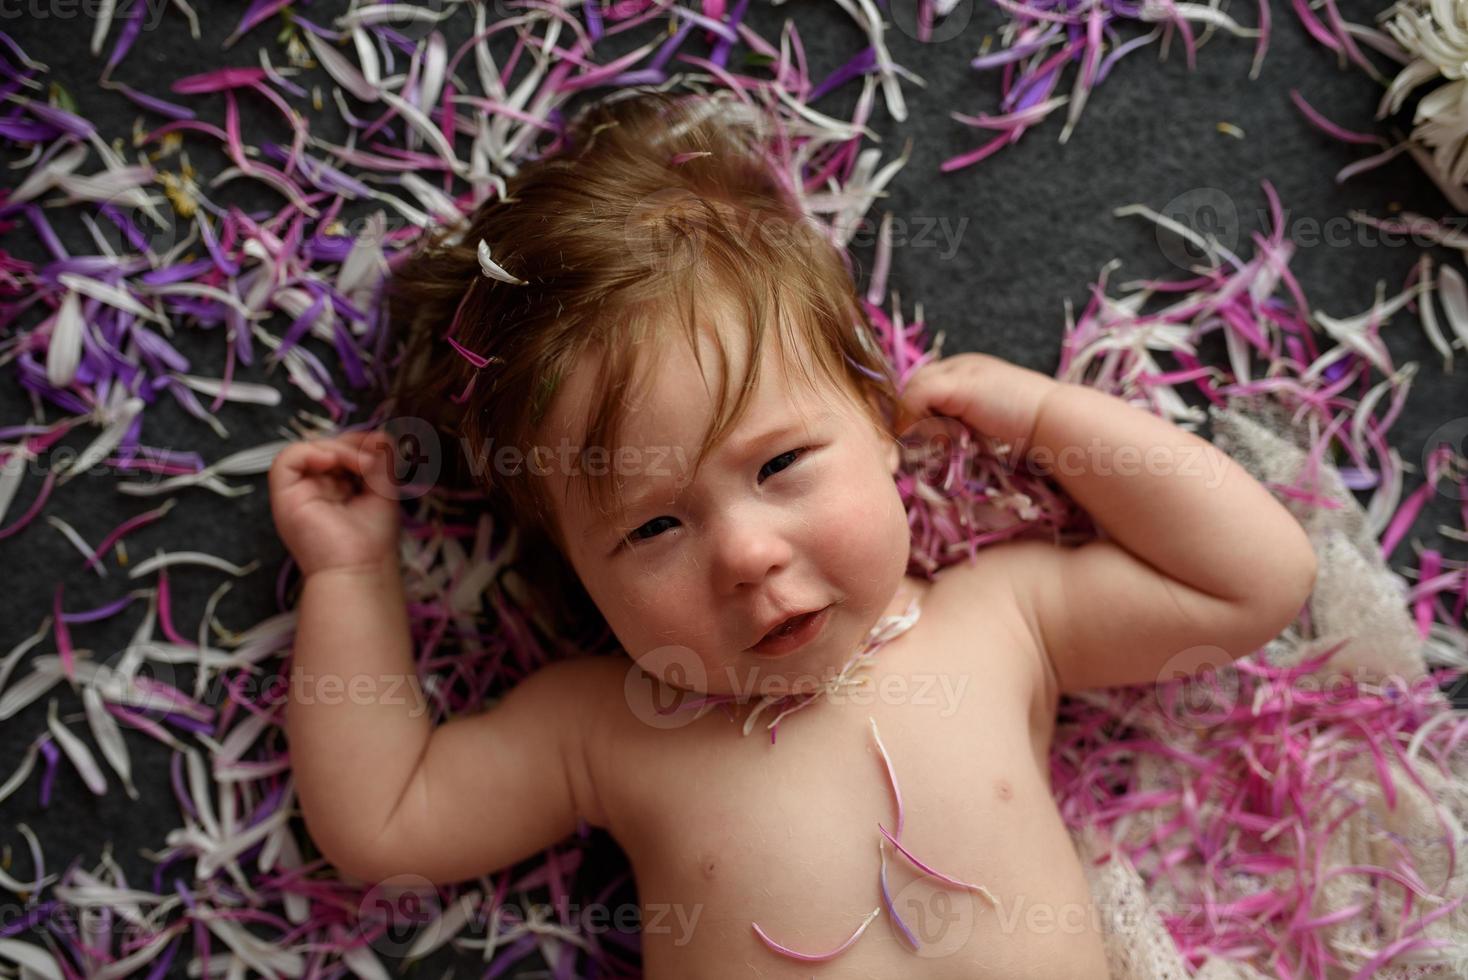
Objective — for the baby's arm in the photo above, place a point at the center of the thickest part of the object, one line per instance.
(383, 792)
(1202, 564)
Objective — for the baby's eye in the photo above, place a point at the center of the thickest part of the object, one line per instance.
(792, 455)
(638, 535)
(780, 463)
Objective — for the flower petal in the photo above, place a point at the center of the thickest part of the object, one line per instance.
(492, 270)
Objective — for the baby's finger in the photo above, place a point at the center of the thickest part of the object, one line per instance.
(296, 462)
(371, 456)
(378, 457)
(937, 394)
(348, 452)
(915, 402)
(357, 438)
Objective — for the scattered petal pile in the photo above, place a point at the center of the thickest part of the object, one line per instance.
(1042, 38)
(1428, 42)
(432, 131)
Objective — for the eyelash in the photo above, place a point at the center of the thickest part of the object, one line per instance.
(633, 540)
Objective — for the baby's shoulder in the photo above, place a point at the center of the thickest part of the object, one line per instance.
(584, 714)
(982, 585)
(981, 596)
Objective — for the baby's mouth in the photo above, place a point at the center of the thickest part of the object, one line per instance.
(790, 625)
(792, 634)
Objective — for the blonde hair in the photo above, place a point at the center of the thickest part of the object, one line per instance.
(652, 199)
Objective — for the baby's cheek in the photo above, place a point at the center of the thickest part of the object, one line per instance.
(870, 526)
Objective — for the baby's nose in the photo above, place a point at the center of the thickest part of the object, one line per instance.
(748, 552)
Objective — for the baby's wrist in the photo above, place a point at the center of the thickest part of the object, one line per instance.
(384, 567)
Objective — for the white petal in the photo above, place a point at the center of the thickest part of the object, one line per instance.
(249, 462)
(121, 186)
(11, 472)
(390, 13)
(260, 955)
(189, 480)
(489, 73)
(33, 958)
(199, 791)
(64, 351)
(364, 264)
(27, 689)
(1430, 324)
(76, 751)
(361, 961)
(238, 391)
(22, 771)
(109, 738)
(144, 955)
(492, 270)
(206, 292)
(1208, 15)
(241, 737)
(1454, 295)
(435, 61)
(420, 218)
(339, 68)
(167, 559)
(445, 927)
(13, 657)
(111, 436)
(1209, 246)
(367, 57)
(110, 295)
(284, 187)
(71, 534)
(415, 118)
(236, 842)
(442, 206)
(16, 885)
(44, 178)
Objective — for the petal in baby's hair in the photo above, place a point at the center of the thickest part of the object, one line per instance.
(492, 269)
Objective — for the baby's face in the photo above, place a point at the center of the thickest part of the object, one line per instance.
(776, 523)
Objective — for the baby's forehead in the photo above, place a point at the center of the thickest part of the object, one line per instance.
(667, 387)
(678, 412)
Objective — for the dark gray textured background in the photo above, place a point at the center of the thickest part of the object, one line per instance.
(1036, 228)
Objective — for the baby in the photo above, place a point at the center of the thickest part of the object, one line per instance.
(722, 499)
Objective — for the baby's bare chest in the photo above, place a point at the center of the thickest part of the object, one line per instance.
(786, 835)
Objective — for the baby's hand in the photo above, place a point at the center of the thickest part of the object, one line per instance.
(330, 499)
(990, 395)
